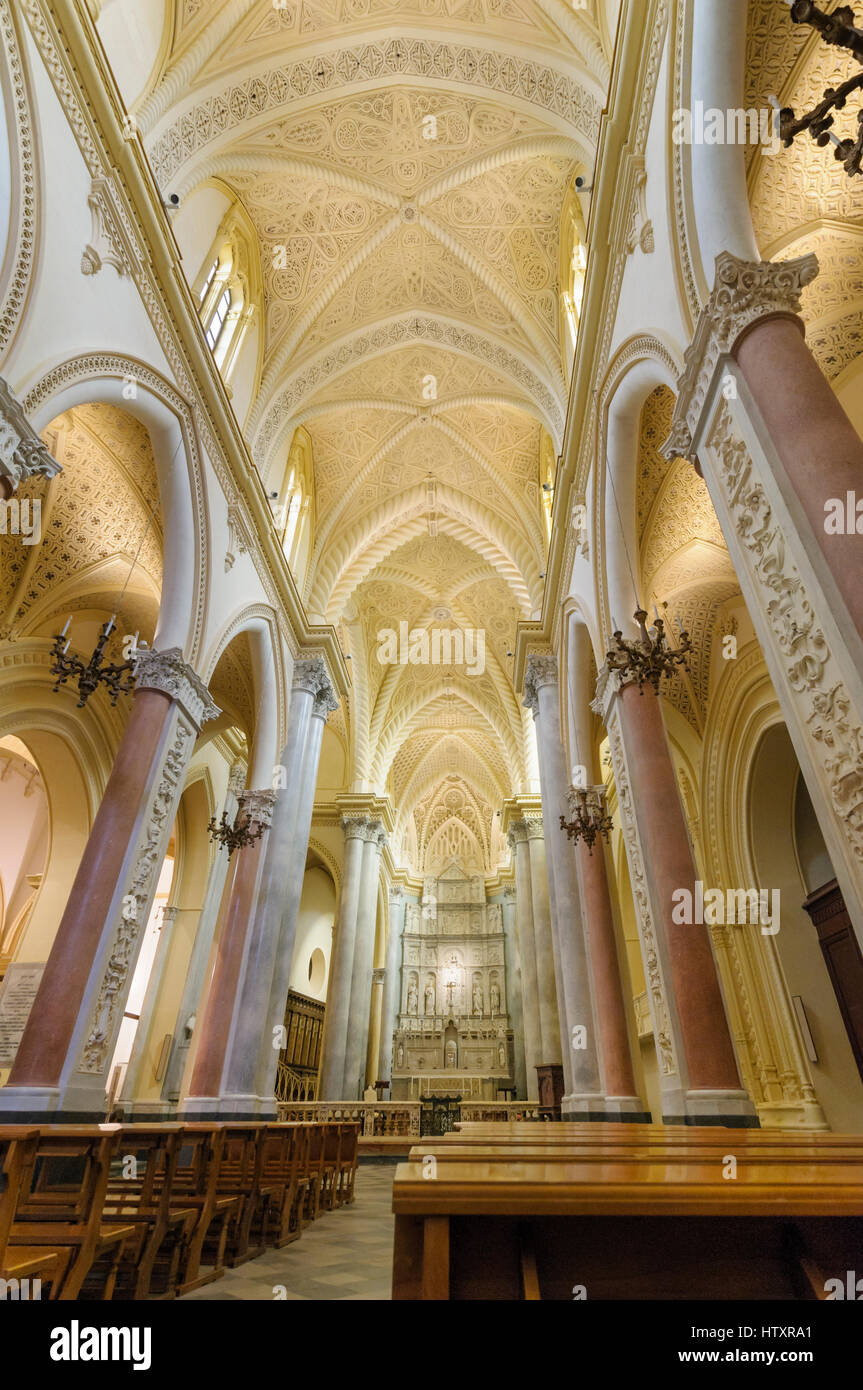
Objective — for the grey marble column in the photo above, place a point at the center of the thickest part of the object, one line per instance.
(196, 974)
(361, 982)
(246, 1087)
(332, 1077)
(514, 990)
(518, 843)
(583, 1093)
(390, 1001)
(549, 1025)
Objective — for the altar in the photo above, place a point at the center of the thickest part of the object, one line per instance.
(453, 1036)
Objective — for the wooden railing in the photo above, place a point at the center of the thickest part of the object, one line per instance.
(379, 1119)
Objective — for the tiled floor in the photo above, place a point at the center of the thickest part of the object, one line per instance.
(345, 1254)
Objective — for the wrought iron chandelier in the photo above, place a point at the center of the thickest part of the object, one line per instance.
(236, 836)
(118, 679)
(649, 657)
(840, 30)
(590, 818)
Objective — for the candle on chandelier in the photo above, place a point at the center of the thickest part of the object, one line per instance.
(111, 624)
(66, 628)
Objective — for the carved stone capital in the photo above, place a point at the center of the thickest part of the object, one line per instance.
(397, 895)
(22, 453)
(517, 834)
(258, 806)
(744, 293)
(355, 827)
(541, 670)
(310, 675)
(168, 672)
(534, 828)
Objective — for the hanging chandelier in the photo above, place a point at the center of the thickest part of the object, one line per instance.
(237, 836)
(118, 679)
(589, 813)
(840, 30)
(648, 657)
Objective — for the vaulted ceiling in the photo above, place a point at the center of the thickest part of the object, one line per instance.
(404, 164)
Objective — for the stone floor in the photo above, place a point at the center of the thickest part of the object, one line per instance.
(345, 1254)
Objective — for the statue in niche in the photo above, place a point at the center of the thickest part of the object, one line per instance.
(401, 1056)
(413, 918)
(501, 1055)
(451, 1059)
(429, 999)
(494, 922)
(494, 995)
(412, 997)
(477, 998)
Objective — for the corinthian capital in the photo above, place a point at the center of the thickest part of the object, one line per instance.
(168, 672)
(310, 675)
(744, 292)
(541, 670)
(258, 806)
(22, 453)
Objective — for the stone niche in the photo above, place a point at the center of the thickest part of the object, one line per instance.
(453, 1036)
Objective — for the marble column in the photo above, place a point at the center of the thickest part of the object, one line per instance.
(514, 990)
(518, 843)
(251, 1058)
(332, 1075)
(776, 450)
(22, 453)
(549, 1024)
(392, 976)
(256, 809)
(583, 1094)
(612, 1003)
(699, 1078)
(364, 950)
(186, 1021)
(61, 1069)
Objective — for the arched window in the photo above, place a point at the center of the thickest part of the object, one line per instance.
(229, 291)
(294, 507)
(573, 267)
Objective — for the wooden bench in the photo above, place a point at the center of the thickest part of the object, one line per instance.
(140, 1193)
(24, 1262)
(641, 1218)
(60, 1205)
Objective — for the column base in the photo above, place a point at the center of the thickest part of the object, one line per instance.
(237, 1108)
(153, 1112)
(47, 1105)
(732, 1109)
(624, 1109)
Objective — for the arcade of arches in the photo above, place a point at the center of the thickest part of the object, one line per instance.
(363, 368)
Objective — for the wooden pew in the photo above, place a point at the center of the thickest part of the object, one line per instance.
(348, 1158)
(149, 1265)
(242, 1175)
(286, 1149)
(60, 1204)
(24, 1262)
(196, 1185)
(529, 1221)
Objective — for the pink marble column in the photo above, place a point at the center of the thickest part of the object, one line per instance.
(48, 1034)
(617, 1073)
(235, 913)
(820, 451)
(711, 1063)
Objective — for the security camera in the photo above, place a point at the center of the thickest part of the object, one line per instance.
(172, 202)
(582, 185)
(272, 496)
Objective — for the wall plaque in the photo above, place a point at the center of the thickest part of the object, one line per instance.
(17, 993)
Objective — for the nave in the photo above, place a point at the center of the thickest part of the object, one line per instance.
(431, 650)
